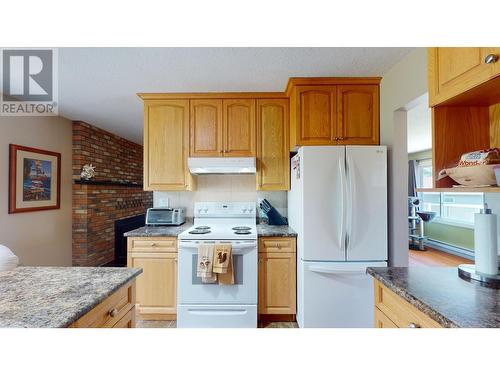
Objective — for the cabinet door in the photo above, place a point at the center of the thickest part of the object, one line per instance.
(453, 70)
(166, 137)
(273, 165)
(239, 127)
(206, 127)
(358, 113)
(156, 288)
(316, 115)
(277, 283)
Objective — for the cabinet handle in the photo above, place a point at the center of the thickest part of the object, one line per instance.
(113, 312)
(413, 325)
(491, 58)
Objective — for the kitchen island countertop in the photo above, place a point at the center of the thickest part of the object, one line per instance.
(442, 295)
(55, 297)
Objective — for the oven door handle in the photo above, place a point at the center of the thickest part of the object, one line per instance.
(236, 248)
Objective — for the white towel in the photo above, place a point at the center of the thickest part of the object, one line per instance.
(8, 260)
(205, 264)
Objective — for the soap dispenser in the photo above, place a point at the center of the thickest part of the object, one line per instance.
(485, 242)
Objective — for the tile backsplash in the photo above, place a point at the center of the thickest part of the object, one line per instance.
(232, 188)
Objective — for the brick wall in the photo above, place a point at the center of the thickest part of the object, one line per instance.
(96, 207)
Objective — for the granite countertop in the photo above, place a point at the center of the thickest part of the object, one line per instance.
(441, 294)
(55, 297)
(266, 230)
(263, 230)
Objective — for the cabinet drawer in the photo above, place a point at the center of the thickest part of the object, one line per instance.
(152, 244)
(128, 320)
(111, 310)
(382, 321)
(402, 313)
(277, 244)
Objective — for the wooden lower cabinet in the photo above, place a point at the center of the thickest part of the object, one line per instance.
(391, 311)
(277, 276)
(157, 285)
(116, 311)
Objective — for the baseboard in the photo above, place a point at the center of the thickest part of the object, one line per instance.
(269, 318)
(157, 316)
(450, 249)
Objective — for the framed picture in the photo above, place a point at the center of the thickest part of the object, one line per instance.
(34, 179)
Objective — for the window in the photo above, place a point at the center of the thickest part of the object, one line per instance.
(424, 173)
(453, 208)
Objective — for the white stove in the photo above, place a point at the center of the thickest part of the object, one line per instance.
(201, 305)
(222, 221)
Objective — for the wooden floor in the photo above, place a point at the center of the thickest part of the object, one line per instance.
(433, 257)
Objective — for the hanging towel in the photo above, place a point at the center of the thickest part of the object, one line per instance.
(223, 264)
(205, 264)
(221, 258)
(228, 277)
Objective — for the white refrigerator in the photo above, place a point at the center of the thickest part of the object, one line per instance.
(338, 207)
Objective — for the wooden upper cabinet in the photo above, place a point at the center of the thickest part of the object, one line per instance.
(239, 127)
(206, 127)
(454, 70)
(333, 111)
(315, 115)
(273, 171)
(166, 139)
(358, 114)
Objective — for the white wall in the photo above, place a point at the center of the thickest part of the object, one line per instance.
(41, 237)
(222, 188)
(401, 85)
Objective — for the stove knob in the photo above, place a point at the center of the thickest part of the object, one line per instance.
(206, 210)
(244, 210)
(199, 210)
(250, 209)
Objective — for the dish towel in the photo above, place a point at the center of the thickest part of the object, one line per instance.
(223, 264)
(205, 264)
(8, 260)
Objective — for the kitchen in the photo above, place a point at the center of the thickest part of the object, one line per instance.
(262, 209)
(260, 200)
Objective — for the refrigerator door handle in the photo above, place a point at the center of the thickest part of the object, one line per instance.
(342, 233)
(350, 202)
(334, 271)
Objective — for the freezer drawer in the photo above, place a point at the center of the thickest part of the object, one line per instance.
(217, 316)
(335, 295)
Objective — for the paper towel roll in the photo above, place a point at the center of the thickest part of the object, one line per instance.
(485, 243)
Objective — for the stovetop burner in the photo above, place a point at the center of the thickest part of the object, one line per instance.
(199, 231)
(242, 228)
(242, 232)
(202, 227)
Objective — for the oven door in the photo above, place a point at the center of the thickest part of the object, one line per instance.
(190, 289)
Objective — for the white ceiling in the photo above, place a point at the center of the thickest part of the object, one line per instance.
(419, 120)
(99, 85)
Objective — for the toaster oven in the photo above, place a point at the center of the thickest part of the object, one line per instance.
(165, 216)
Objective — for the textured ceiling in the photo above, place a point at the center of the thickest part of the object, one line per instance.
(99, 85)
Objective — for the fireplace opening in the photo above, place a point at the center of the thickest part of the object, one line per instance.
(122, 226)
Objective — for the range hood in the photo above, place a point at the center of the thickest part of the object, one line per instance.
(222, 165)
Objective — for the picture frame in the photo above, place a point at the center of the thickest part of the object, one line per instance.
(34, 179)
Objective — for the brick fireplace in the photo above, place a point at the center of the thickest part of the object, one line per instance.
(114, 194)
